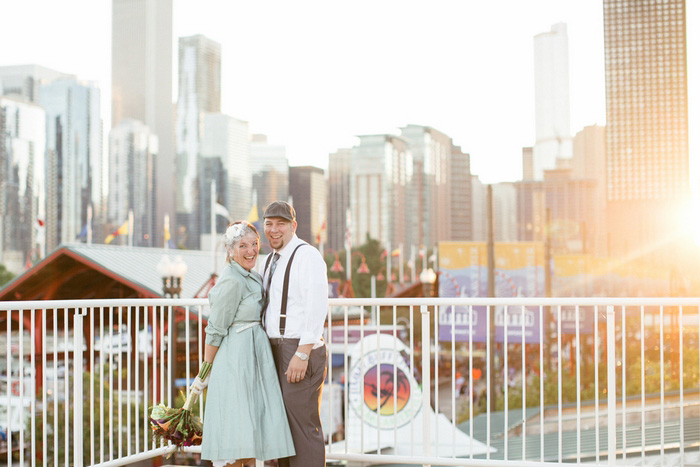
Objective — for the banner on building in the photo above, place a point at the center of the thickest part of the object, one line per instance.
(519, 272)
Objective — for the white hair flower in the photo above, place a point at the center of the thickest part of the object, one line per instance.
(233, 234)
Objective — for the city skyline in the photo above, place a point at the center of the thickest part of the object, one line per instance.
(369, 78)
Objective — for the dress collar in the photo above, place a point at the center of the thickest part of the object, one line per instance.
(242, 271)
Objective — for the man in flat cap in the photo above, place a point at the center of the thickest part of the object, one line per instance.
(295, 309)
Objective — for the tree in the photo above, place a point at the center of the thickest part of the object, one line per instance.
(5, 275)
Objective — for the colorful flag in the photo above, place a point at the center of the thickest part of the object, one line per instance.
(167, 241)
(396, 252)
(122, 230)
(319, 235)
(220, 210)
(253, 216)
(83, 232)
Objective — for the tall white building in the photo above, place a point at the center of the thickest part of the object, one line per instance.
(478, 218)
(270, 168)
(228, 138)
(380, 177)
(339, 170)
(505, 218)
(142, 85)
(430, 196)
(74, 159)
(22, 198)
(133, 149)
(199, 92)
(552, 115)
(588, 163)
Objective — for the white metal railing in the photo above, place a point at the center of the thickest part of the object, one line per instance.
(567, 380)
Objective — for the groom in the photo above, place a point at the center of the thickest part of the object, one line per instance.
(294, 323)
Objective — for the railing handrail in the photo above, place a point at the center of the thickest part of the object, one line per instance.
(461, 301)
(526, 301)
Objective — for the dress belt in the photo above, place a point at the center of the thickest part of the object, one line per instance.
(242, 327)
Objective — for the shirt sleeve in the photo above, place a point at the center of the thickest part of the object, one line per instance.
(315, 293)
(224, 299)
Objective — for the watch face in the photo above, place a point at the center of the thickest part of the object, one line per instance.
(301, 356)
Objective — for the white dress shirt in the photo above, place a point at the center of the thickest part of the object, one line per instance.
(307, 302)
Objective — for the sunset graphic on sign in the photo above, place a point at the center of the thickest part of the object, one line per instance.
(384, 397)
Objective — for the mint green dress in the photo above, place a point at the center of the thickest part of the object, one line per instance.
(244, 413)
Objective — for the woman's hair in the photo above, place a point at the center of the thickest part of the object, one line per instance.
(234, 233)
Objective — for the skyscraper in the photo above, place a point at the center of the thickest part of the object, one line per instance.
(460, 195)
(429, 195)
(270, 168)
(379, 190)
(338, 196)
(132, 152)
(588, 163)
(199, 91)
(74, 159)
(307, 187)
(24, 80)
(647, 123)
(505, 225)
(228, 138)
(552, 127)
(22, 198)
(142, 41)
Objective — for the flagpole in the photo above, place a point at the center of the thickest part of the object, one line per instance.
(131, 228)
(348, 245)
(320, 230)
(401, 263)
(388, 263)
(89, 224)
(213, 223)
(413, 263)
(166, 233)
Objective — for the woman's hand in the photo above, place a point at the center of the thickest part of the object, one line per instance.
(198, 385)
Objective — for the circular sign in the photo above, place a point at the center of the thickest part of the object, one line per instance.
(382, 391)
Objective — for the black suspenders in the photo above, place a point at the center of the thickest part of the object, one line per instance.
(285, 288)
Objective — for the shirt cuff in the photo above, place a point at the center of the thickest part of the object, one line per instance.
(307, 338)
(213, 340)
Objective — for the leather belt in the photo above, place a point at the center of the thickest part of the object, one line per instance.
(282, 340)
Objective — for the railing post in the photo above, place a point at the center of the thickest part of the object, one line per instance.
(78, 386)
(612, 405)
(425, 368)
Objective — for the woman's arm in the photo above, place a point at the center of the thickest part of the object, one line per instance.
(210, 353)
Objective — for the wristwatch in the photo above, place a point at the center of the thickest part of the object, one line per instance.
(302, 356)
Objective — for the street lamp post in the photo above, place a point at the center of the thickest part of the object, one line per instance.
(336, 266)
(427, 277)
(172, 272)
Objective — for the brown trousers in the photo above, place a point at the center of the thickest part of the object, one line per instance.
(302, 401)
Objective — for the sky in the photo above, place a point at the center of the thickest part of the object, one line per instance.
(314, 74)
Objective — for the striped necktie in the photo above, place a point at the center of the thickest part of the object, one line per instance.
(273, 266)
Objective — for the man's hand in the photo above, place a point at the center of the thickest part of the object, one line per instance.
(296, 370)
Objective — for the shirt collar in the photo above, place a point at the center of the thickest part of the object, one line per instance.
(293, 242)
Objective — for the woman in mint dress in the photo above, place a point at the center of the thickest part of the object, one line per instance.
(244, 416)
